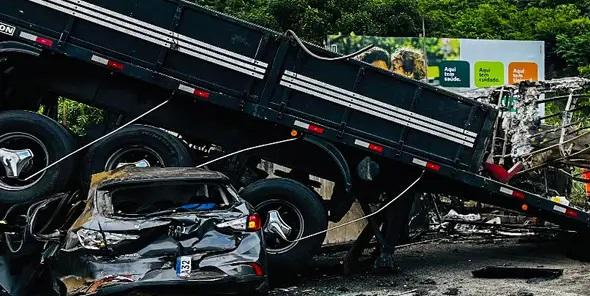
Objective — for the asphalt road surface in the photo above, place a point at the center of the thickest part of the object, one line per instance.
(444, 268)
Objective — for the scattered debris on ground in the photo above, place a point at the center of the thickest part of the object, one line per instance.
(443, 267)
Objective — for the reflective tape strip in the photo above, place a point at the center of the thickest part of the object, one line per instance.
(370, 146)
(405, 121)
(310, 127)
(100, 60)
(206, 54)
(301, 124)
(186, 88)
(419, 162)
(429, 165)
(559, 209)
(507, 191)
(40, 40)
(28, 36)
(513, 193)
(362, 143)
(203, 94)
(378, 103)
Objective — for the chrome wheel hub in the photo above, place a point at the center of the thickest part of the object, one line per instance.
(276, 225)
(14, 161)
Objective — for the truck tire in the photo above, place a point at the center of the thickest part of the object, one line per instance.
(301, 208)
(132, 144)
(48, 141)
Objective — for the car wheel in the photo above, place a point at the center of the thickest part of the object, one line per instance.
(299, 211)
(28, 143)
(139, 145)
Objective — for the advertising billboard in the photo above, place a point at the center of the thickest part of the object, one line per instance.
(451, 62)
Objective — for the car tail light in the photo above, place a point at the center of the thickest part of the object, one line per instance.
(254, 223)
(249, 223)
(258, 270)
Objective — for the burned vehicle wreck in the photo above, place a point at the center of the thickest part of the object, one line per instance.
(166, 228)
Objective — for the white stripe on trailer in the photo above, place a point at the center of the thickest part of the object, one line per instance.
(379, 109)
(379, 103)
(506, 190)
(28, 36)
(362, 143)
(221, 63)
(186, 88)
(136, 31)
(161, 37)
(559, 209)
(168, 32)
(407, 123)
(301, 124)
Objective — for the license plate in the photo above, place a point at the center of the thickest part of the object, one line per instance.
(183, 266)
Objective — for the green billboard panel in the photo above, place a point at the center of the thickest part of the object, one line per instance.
(489, 74)
(454, 74)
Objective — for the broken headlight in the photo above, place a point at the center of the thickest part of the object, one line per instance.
(96, 240)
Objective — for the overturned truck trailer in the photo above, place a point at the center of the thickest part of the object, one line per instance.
(222, 84)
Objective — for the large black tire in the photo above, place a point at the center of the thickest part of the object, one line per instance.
(284, 263)
(51, 142)
(169, 149)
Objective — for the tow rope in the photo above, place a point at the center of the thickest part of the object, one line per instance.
(97, 140)
(363, 217)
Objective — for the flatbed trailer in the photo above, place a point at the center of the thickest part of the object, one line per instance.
(234, 84)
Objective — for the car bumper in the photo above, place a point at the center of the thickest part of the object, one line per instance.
(225, 286)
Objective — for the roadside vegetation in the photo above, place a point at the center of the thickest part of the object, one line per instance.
(564, 25)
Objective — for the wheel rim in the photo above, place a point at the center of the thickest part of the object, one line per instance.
(23, 141)
(291, 215)
(134, 155)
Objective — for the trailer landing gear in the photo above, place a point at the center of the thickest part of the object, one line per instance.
(388, 228)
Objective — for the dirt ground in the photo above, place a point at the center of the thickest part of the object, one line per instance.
(444, 268)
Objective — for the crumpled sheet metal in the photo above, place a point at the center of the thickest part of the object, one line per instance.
(191, 234)
(526, 122)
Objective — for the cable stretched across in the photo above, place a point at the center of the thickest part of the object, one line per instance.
(246, 149)
(309, 52)
(97, 140)
(364, 217)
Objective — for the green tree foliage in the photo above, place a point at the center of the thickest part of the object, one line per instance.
(77, 117)
(562, 24)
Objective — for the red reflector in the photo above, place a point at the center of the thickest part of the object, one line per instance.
(315, 129)
(376, 148)
(44, 41)
(201, 93)
(518, 194)
(115, 65)
(258, 270)
(254, 223)
(432, 166)
(571, 213)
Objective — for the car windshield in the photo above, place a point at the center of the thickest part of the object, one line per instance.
(166, 197)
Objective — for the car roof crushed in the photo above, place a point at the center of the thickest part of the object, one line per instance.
(131, 174)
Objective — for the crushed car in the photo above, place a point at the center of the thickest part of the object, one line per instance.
(157, 230)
